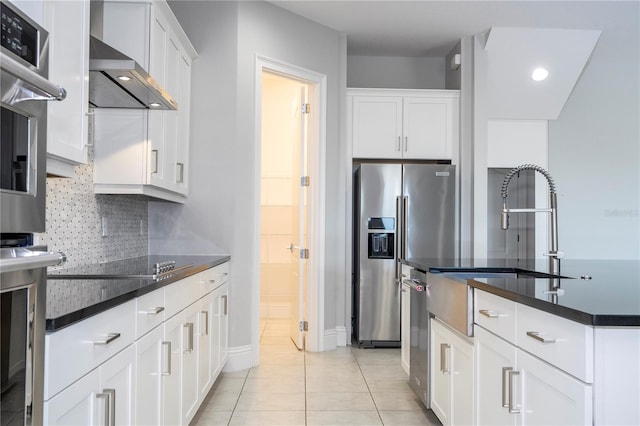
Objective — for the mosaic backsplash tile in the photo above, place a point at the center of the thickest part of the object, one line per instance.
(76, 216)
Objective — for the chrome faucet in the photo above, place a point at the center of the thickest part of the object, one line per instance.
(554, 254)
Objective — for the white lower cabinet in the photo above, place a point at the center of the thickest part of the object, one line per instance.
(161, 378)
(516, 388)
(150, 362)
(104, 396)
(452, 376)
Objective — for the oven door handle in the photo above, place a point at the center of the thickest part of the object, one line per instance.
(28, 259)
(46, 90)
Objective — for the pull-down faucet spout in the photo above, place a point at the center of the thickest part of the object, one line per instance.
(554, 254)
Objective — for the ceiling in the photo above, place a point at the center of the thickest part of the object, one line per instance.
(432, 28)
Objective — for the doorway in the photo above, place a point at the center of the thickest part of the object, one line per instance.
(289, 137)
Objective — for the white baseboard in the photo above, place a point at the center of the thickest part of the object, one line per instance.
(330, 340)
(341, 336)
(239, 358)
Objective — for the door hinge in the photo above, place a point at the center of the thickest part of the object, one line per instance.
(304, 253)
(306, 108)
(305, 181)
(304, 326)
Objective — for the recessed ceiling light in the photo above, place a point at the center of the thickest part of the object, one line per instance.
(539, 74)
(124, 78)
(154, 104)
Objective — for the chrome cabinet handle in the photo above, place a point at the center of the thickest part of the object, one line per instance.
(406, 143)
(223, 274)
(109, 395)
(443, 358)
(399, 144)
(110, 338)
(167, 345)
(180, 178)
(489, 314)
(206, 322)
(154, 152)
(511, 409)
(225, 306)
(536, 335)
(209, 282)
(189, 348)
(505, 370)
(153, 311)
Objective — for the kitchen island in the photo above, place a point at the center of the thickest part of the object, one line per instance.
(559, 350)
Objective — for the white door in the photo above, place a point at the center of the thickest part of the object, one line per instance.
(116, 383)
(298, 247)
(377, 127)
(440, 372)
(149, 356)
(77, 404)
(172, 371)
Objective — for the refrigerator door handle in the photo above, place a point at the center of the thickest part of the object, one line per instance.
(398, 236)
(405, 222)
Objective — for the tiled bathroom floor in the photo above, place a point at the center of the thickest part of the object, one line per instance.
(347, 386)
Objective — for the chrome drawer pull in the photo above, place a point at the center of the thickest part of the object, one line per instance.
(489, 314)
(226, 304)
(511, 409)
(206, 322)
(109, 395)
(153, 311)
(168, 353)
(536, 335)
(110, 338)
(209, 282)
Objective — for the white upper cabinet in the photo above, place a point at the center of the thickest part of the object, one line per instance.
(403, 124)
(67, 121)
(144, 151)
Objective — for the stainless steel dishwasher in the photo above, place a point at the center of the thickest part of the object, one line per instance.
(419, 340)
(434, 295)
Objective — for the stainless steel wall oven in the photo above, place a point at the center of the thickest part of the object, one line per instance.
(24, 69)
(25, 90)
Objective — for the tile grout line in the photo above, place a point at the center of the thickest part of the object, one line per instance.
(233, 410)
(368, 388)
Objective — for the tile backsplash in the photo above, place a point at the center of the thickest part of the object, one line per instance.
(91, 228)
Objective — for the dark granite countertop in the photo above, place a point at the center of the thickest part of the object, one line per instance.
(73, 299)
(611, 297)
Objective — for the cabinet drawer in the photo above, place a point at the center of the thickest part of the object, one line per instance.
(150, 310)
(563, 343)
(181, 294)
(495, 314)
(75, 350)
(213, 278)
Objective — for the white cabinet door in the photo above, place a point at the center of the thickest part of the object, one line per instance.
(150, 365)
(405, 327)
(452, 376)
(462, 381)
(428, 127)
(172, 381)
(190, 345)
(207, 334)
(117, 380)
(494, 358)
(440, 372)
(377, 127)
(67, 121)
(550, 396)
(77, 404)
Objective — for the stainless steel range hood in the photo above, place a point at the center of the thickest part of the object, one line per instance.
(117, 81)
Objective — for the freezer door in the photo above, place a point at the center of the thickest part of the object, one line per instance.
(429, 210)
(378, 292)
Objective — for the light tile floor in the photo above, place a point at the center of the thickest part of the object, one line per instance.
(347, 386)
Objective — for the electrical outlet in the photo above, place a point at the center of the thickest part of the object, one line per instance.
(105, 228)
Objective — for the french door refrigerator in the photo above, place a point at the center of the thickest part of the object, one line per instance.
(400, 211)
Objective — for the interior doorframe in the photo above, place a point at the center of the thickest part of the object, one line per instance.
(316, 158)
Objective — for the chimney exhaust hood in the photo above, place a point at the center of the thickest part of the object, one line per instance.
(117, 81)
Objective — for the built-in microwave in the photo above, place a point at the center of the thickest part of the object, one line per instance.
(25, 90)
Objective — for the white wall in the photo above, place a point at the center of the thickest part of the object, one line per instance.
(594, 153)
(219, 213)
(395, 72)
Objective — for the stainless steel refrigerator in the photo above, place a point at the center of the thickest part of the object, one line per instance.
(400, 211)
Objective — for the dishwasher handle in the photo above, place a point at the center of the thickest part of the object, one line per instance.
(415, 284)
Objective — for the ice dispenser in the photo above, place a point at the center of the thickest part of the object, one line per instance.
(381, 244)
